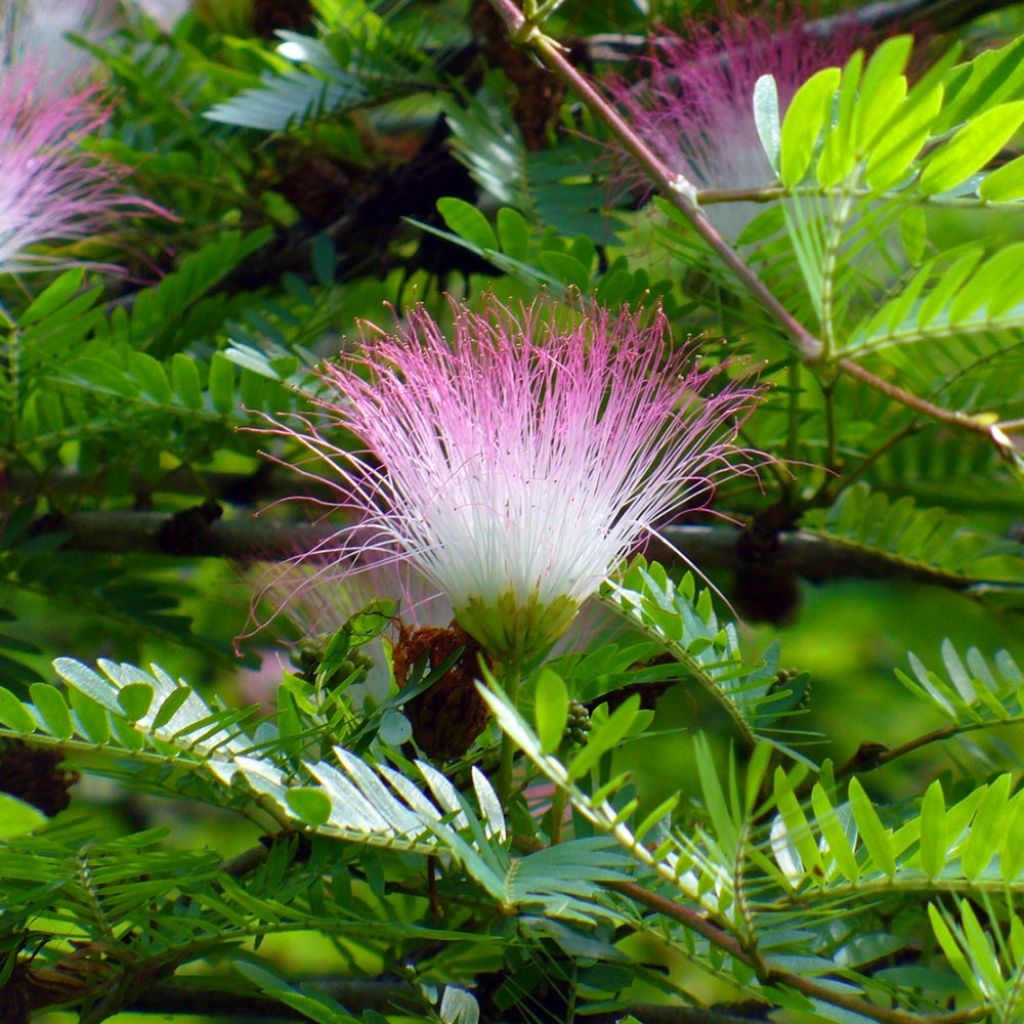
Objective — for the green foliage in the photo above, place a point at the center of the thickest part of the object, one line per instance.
(679, 804)
(916, 539)
(684, 621)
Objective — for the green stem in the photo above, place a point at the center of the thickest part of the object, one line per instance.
(557, 813)
(793, 413)
(511, 683)
(681, 192)
(684, 195)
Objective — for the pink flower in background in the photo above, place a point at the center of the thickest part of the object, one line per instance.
(36, 32)
(50, 188)
(516, 465)
(694, 106)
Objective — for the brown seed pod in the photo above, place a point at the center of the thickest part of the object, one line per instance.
(70, 980)
(448, 716)
(33, 775)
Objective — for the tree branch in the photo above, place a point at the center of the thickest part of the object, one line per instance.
(354, 995)
(201, 533)
(964, 421)
(683, 195)
(382, 996)
(883, 16)
(871, 755)
(819, 990)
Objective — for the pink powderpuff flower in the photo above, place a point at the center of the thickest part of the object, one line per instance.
(37, 32)
(516, 465)
(49, 188)
(694, 108)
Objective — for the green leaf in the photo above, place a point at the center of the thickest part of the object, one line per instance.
(797, 830)
(150, 374)
(831, 828)
(170, 707)
(17, 817)
(951, 949)
(368, 623)
(395, 729)
(1005, 183)
(566, 269)
(997, 284)
(722, 818)
(1011, 850)
(467, 222)
(839, 153)
(757, 769)
(222, 383)
(317, 1006)
(286, 100)
(992, 77)
(661, 814)
(15, 715)
(709, 650)
(766, 118)
(53, 297)
(983, 839)
(894, 152)
(882, 88)
(514, 233)
(135, 699)
(551, 710)
(914, 233)
(323, 258)
(803, 122)
(873, 834)
(51, 705)
(615, 287)
(185, 378)
(311, 804)
(92, 719)
(91, 683)
(979, 945)
(971, 148)
(933, 831)
(942, 291)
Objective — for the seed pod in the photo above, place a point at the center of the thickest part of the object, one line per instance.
(448, 716)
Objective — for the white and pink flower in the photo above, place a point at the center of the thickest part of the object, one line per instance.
(516, 465)
(694, 105)
(51, 189)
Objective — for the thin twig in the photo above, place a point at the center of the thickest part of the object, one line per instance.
(813, 989)
(962, 420)
(833, 486)
(684, 196)
(677, 188)
(885, 16)
(870, 755)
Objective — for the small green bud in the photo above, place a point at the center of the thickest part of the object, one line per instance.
(577, 725)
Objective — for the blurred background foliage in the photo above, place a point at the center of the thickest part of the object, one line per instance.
(312, 161)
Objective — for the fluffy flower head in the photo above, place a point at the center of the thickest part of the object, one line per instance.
(36, 32)
(50, 188)
(518, 463)
(694, 107)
